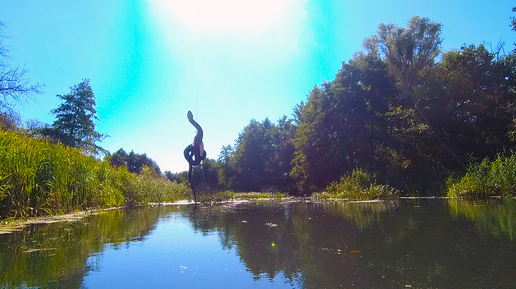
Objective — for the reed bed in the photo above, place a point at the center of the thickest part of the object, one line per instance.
(359, 185)
(40, 178)
(489, 178)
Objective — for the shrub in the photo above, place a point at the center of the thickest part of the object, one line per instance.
(358, 186)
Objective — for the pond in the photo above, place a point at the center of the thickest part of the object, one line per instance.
(296, 244)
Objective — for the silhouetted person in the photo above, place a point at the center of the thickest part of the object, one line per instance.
(194, 153)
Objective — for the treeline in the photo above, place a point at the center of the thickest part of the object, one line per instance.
(400, 111)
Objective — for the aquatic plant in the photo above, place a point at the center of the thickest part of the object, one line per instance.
(485, 179)
(359, 185)
(261, 195)
(231, 195)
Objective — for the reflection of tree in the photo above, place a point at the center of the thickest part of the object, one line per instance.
(493, 217)
(362, 214)
(366, 245)
(56, 255)
(313, 245)
(262, 237)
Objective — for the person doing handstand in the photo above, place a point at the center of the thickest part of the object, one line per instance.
(195, 153)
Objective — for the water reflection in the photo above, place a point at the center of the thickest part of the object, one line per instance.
(56, 255)
(398, 244)
(493, 217)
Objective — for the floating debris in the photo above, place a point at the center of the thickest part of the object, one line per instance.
(271, 225)
(329, 250)
(40, 249)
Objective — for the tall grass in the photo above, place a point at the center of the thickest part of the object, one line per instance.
(37, 178)
(486, 179)
(358, 186)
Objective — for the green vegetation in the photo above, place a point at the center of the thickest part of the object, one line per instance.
(486, 179)
(260, 195)
(400, 109)
(40, 260)
(133, 162)
(358, 186)
(38, 178)
(232, 196)
(494, 217)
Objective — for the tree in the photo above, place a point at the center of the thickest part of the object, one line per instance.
(334, 133)
(251, 153)
(407, 51)
(226, 170)
(74, 125)
(9, 121)
(473, 100)
(14, 85)
(206, 178)
(133, 162)
(179, 178)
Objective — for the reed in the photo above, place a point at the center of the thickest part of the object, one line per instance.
(260, 195)
(489, 178)
(38, 178)
(357, 186)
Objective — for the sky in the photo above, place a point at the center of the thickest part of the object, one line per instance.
(228, 61)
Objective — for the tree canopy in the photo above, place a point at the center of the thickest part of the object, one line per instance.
(133, 162)
(399, 109)
(75, 119)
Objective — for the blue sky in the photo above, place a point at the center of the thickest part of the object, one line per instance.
(228, 61)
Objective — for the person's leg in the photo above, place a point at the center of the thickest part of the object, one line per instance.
(188, 152)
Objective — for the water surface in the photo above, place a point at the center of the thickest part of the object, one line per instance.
(398, 244)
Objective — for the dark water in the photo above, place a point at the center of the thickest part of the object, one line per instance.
(401, 244)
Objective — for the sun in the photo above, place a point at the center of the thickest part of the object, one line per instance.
(250, 15)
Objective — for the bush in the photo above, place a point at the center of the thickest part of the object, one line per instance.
(358, 186)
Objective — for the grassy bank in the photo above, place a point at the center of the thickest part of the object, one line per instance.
(39, 178)
(489, 178)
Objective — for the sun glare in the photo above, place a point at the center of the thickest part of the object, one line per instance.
(224, 14)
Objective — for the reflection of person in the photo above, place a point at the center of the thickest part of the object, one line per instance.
(195, 153)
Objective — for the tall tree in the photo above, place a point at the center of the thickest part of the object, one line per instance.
(408, 51)
(280, 164)
(334, 134)
(75, 119)
(14, 84)
(251, 153)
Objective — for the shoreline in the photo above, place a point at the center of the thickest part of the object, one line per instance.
(7, 227)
